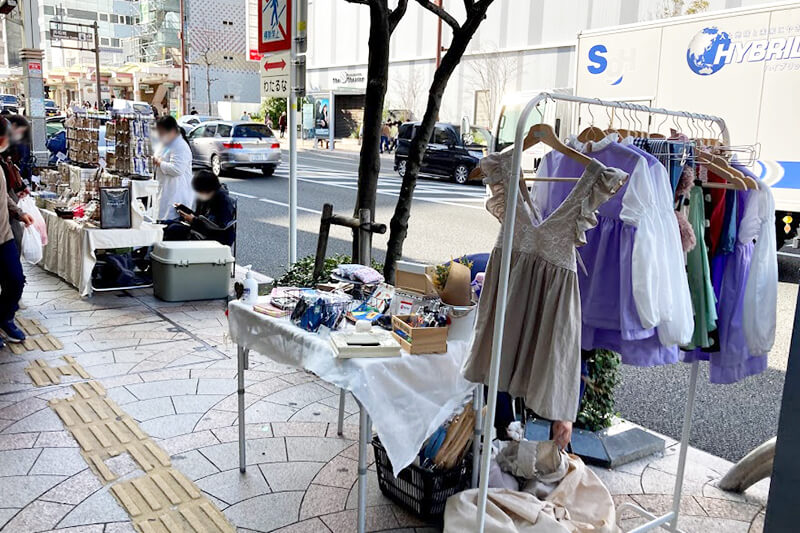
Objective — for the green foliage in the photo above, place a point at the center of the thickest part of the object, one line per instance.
(301, 273)
(274, 107)
(597, 406)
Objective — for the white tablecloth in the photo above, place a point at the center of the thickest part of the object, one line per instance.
(70, 251)
(408, 397)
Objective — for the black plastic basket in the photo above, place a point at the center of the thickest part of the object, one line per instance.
(423, 491)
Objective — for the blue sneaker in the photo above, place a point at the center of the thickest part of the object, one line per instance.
(10, 332)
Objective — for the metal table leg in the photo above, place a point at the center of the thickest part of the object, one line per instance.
(364, 434)
(242, 355)
(340, 427)
(477, 404)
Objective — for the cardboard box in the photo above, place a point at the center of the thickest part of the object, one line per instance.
(415, 277)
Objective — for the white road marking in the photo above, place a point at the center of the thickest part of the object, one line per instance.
(389, 184)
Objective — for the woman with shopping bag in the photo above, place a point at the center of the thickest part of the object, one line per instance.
(12, 279)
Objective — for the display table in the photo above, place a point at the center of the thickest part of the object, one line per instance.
(409, 396)
(70, 251)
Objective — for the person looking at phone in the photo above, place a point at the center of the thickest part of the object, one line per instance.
(173, 168)
(214, 211)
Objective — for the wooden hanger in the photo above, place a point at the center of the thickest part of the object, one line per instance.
(724, 163)
(592, 133)
(733, 181)
(544, 133)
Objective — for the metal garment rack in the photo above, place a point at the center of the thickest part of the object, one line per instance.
(669, 520)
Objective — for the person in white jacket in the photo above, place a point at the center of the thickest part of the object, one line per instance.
(173, 169)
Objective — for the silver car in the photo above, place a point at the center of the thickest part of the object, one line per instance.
(223, 145)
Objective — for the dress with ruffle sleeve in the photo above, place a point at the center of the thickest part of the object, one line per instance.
(542, 334)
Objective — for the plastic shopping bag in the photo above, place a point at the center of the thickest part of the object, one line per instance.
(28, 207)
(32, 245)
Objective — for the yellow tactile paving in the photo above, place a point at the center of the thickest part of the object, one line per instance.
(45, 343)
(42, 374)
(31, 326)
(162, 500)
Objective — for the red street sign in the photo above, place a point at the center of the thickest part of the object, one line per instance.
(274, 25)
(34, 67)
(254, 55)
(280, 65)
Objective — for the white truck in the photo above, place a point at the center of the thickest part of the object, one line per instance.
(740, 64)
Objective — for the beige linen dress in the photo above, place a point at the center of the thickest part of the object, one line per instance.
(542, 334)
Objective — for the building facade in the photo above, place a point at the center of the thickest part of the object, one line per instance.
(221, 67)
(521, 46)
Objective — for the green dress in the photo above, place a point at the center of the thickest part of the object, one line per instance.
(699, 274)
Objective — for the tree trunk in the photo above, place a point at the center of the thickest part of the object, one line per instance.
(369, 165)
(208, 87)
(402, 212)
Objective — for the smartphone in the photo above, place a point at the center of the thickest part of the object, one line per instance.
(183, 209)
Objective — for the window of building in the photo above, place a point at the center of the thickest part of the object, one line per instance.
(104, 41)
(115, 43)
(114, 18)
(103, 17)
(49, 10)
(81, 14)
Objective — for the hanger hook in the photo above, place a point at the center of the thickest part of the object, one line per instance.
(589, 109)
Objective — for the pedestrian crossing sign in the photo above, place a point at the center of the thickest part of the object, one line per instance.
(274, 25)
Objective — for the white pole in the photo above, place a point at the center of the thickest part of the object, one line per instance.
(500, 313)
(292, 112)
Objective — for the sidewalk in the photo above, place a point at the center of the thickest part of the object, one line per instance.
(170, 368)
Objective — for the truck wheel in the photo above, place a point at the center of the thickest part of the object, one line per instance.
(461, 174)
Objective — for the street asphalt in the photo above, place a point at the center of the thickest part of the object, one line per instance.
(449, 220)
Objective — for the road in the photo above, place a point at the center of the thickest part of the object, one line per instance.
(449, 220)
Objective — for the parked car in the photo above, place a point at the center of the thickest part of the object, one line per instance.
(188, 122)
(50, 108)
(9, 104)
(223, 145)
(449, 154)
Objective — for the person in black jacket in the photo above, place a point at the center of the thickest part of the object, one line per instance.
(213, 213)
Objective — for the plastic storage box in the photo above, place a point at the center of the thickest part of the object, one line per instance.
(191, 270)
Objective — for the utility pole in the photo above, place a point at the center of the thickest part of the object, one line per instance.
(32, 56)
(184, 107)
(97, 65)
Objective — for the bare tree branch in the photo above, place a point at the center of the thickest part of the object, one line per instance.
(468, 4)
(441, 13)
(397, 14)
(362, 2)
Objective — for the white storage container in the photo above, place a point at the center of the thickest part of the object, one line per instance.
(191, 270)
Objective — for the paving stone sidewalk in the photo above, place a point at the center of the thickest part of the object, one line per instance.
(171, 367)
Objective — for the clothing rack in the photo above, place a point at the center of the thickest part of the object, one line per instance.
(669, 520)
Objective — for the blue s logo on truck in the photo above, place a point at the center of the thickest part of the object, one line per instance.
(711, 49)
(598, 62)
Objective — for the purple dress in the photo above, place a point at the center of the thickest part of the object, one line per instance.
(610, 318)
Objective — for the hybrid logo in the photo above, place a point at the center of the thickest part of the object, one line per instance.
(712, 49)
(598, 64)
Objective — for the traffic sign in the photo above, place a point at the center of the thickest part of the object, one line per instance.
(274, 25)
(275, 75)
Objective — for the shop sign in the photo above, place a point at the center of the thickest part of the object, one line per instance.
(274, 25)
(34, 68)
(346, 79)
(275, 75)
